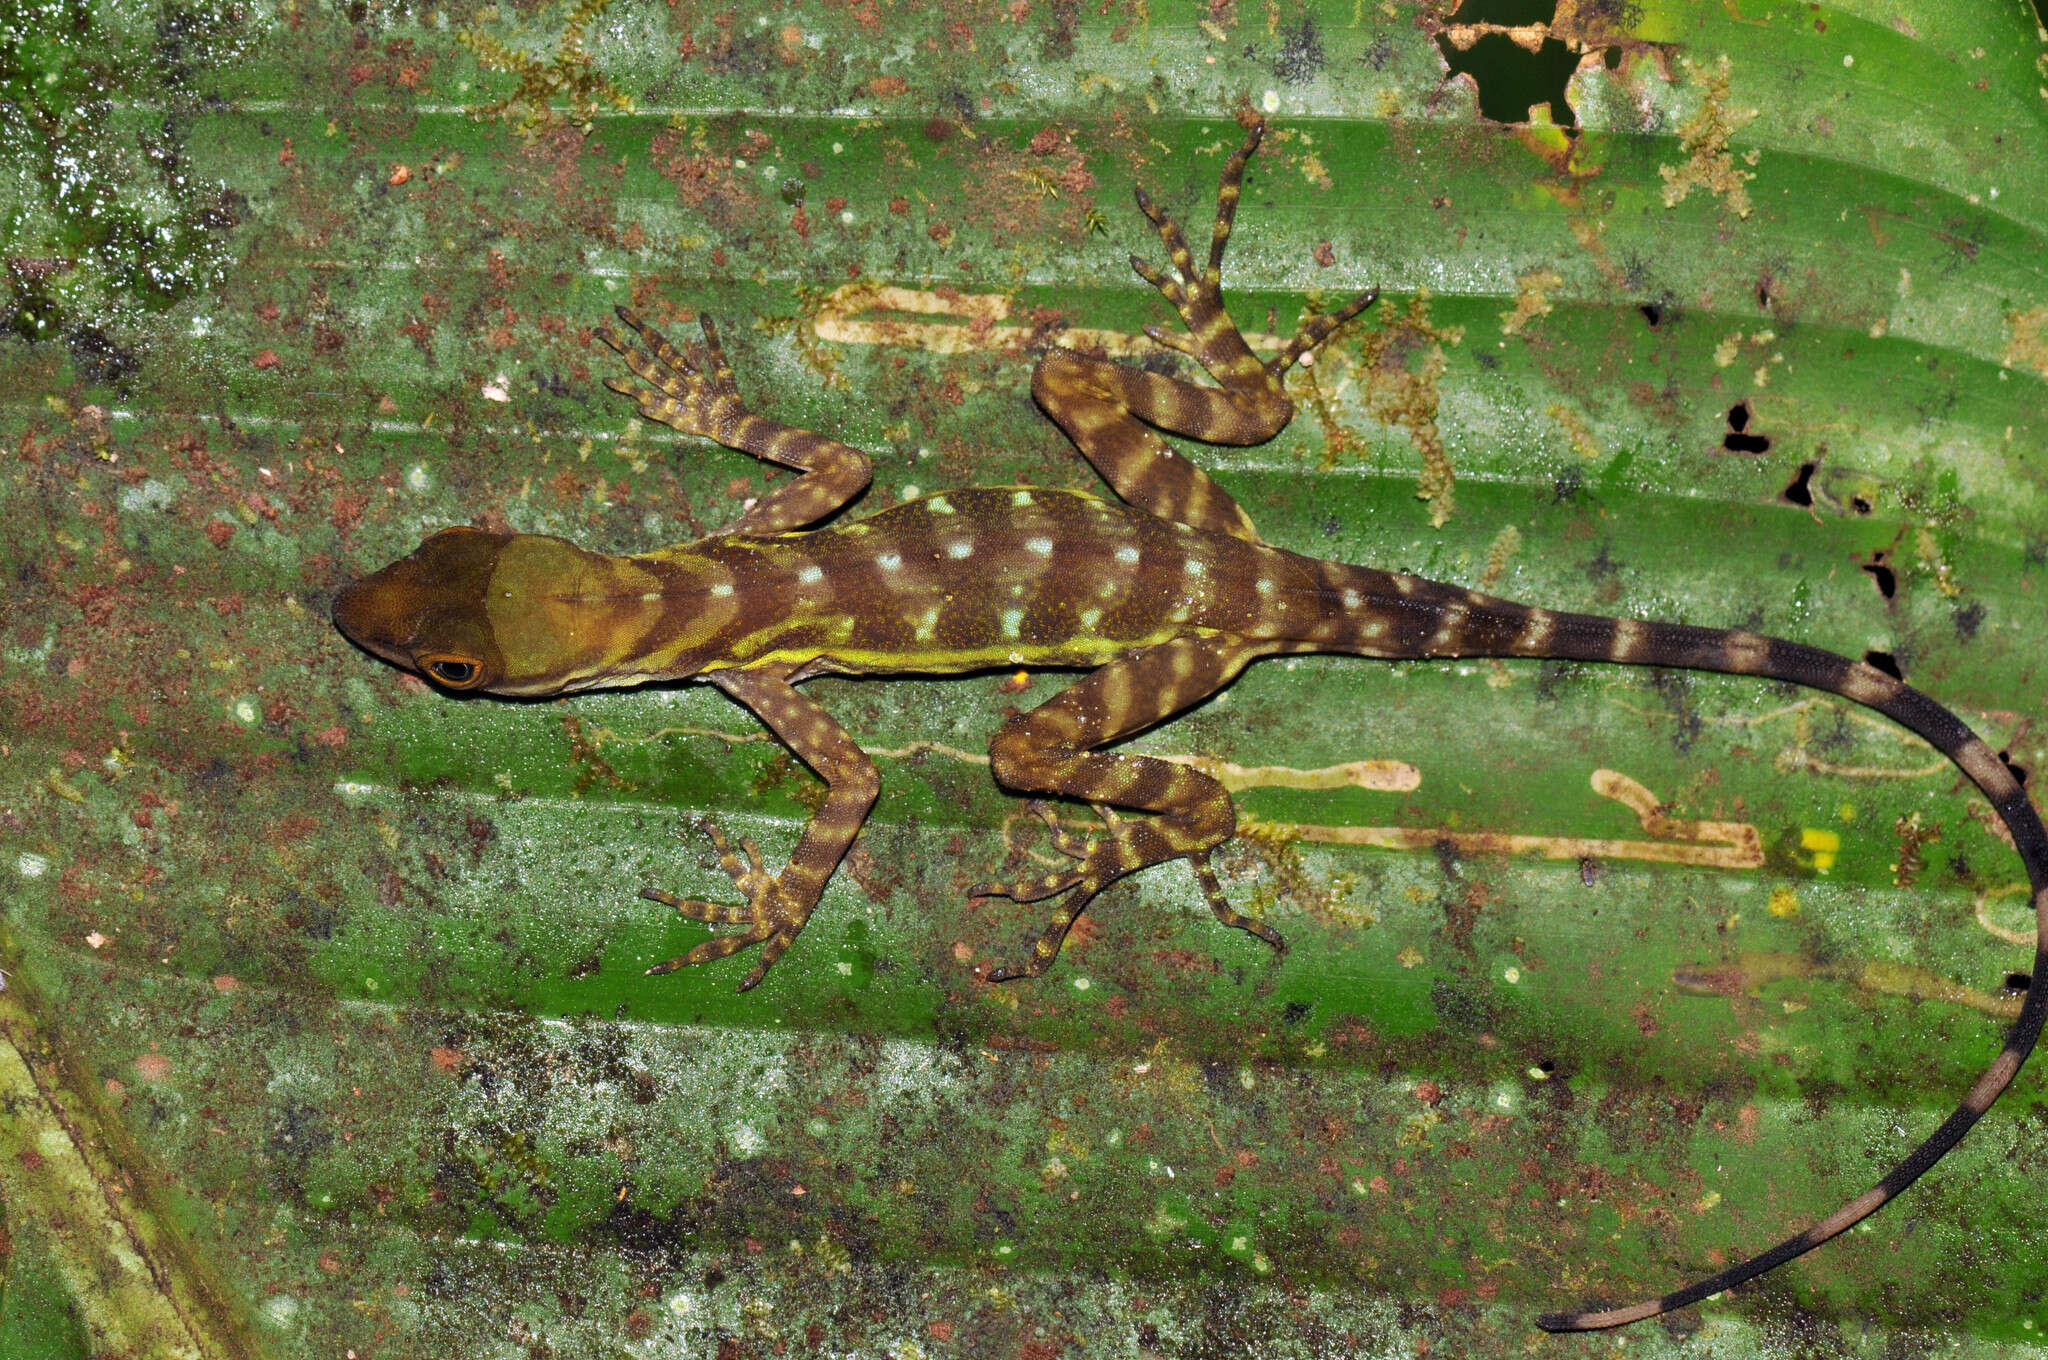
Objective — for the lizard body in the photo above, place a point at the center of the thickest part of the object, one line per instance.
(1167, 593)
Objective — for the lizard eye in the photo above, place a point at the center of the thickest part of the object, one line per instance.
(456, 672)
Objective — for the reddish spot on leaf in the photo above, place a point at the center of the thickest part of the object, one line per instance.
(265, 358)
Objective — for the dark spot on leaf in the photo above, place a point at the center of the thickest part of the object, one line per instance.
(1295, 1012)
(99, 358)
(1301, 55)
(1968, 620)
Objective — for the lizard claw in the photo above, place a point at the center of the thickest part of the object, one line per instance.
(687, 389)
(771, 919)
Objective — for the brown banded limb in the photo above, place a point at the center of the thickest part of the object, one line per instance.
(1051, 750)
(692, 390)
(778, 905)
(1106, 407)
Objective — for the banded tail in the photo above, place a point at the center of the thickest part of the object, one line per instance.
(1473, 625)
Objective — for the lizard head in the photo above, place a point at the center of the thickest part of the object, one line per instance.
(428, 612)
(527, 614)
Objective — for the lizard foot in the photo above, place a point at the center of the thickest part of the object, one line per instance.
(1082, 882)
(771, 919)
(1227, 914)
(689, 391)
(1128, 846)
(1213, 339)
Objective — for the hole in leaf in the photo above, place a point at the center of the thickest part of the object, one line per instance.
(1798, 492)
(2019, 772)
(1653, 312)
(1887, 579)
(1545, 1065)
(1861, 505)
(2018, 982)
(1885, 662)
(1736, 440)
(1512, 78)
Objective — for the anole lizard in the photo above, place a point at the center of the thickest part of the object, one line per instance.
(1167, 592)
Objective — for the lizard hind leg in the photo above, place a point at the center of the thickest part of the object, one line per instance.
(1112, 411)
(1049, 750)
(1213, 339)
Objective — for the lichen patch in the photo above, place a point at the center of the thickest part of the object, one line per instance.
(2026, 339)
(1708, 164)
(1532, 299)
(1403, 364)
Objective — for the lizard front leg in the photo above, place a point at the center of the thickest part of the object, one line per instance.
(694, 392)
(1048, 750)
(778, 905)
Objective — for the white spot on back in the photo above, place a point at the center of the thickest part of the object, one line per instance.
(722, 589)
(1192, 567)
(1040, 545)
(1127, 553)
(889, 561)
(960, 548)
(1351, 599)
(926, 624)
(1013, 620)
(1265, 586)
(1090, 617)
(1020, 498)
(810, 573)
(939, 505)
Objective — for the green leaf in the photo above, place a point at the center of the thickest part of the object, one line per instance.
(331, 984)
